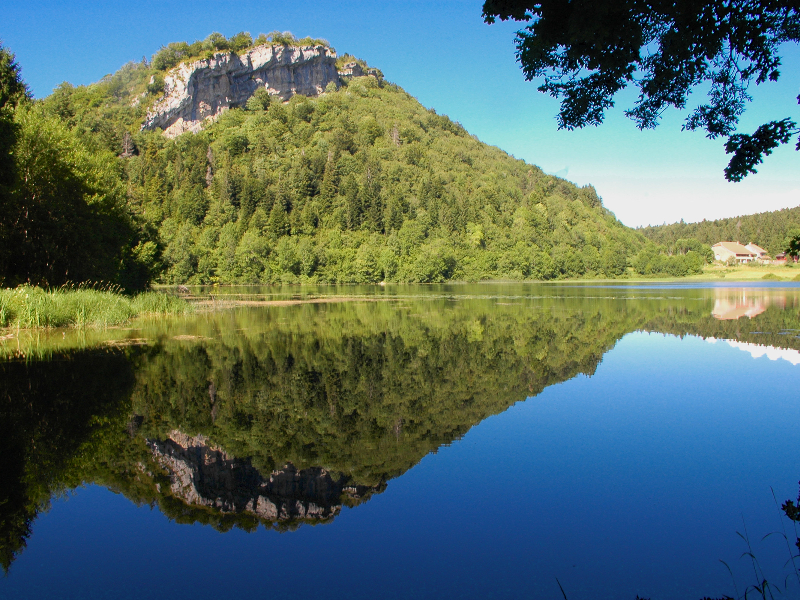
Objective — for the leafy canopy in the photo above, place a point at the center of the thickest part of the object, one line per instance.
(587, 51)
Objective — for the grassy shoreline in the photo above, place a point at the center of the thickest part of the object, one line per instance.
(28, 307)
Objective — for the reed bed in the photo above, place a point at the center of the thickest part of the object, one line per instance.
(29, 307)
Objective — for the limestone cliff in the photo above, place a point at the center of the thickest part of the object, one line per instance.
(198, 91)
(203, 475)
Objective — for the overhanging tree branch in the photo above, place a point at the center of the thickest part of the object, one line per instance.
(586, 51)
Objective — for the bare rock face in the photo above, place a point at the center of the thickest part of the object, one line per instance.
(200, 91)
(353, 69)
(204, 475)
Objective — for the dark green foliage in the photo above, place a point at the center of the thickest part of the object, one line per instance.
(156, 86)
(749, 150)
(63, 215)
(65, 219)
(769, 230)
(791, 245)
(588, 51)
(240, 41)
(652, 262)
(686, 256)
(12, 91)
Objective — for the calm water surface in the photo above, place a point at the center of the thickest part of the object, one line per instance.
(463, 441)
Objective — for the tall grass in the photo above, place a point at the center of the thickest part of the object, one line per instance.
(28, 307)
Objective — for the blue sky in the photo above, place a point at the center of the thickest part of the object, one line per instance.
(442, 53)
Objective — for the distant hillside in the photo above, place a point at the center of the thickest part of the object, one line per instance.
(767, 229)
(280, 161)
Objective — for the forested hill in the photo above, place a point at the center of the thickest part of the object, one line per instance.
(357, 182)
(767, 229)
(361, 185)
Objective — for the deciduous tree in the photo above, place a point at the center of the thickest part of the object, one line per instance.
(586, 51)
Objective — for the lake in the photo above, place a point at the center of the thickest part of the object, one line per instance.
(452, 441)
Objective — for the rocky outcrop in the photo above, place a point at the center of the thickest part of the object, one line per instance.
(202, 474)
(354, 69)
(197, 92)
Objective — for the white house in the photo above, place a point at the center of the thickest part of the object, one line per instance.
(759, 251)
(724, 251)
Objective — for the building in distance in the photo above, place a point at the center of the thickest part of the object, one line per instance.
(725, 251)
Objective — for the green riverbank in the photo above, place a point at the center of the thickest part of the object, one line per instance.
(28, 307)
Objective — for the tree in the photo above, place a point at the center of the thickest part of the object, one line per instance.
(65, 218)
(12, 91)
(792, 243)
(587, 51)
(62, 211)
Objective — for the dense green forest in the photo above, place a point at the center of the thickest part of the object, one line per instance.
(768, 229)
(362, 390)
(361, 184)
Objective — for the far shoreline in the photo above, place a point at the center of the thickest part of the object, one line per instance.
(711, 274)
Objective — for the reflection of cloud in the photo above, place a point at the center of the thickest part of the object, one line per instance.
(757, 351)
(744, 303)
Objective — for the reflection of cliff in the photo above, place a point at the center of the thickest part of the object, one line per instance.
(287, 414)
(202, 475)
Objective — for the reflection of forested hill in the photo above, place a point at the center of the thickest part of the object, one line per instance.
(281, 416)
(362, 392)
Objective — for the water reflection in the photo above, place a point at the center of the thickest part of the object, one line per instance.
(759, 350)
(731, 304)
(202, 475)
(281, 416)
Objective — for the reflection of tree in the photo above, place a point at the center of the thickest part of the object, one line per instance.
(281, 416)
(49, 413)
